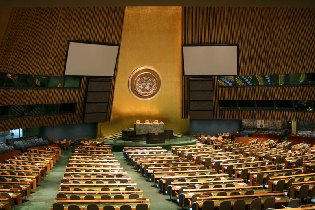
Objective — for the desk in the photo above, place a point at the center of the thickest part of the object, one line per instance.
(144, 128)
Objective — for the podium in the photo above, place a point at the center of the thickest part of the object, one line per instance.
(152, 133)
(155, 138)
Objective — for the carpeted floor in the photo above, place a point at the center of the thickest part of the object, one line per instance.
(43, 198)
(158, 201)
(45, 194)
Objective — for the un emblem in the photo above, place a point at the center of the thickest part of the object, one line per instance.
(144, 83)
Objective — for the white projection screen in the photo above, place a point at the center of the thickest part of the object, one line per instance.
(210, 60)
(91, 59)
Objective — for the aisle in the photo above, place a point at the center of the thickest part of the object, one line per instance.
(158, 201)
(46, 193)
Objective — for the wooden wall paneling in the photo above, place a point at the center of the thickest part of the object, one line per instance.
(268, 115)
(271, 40)
(266, 93)
(36, 43)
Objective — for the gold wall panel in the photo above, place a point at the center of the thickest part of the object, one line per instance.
(152, 36)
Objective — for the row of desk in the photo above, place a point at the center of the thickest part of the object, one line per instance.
(95, 180)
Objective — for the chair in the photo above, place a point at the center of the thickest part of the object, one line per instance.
(255, 204)
(270, 203)
(280, 185)
(225, 205)
(65, 188)
(294, 203)
(260, 179)
(208, 162)
(311, 196)
(235, 193)
(119, 197)
(198, 160)
(230, 185)
(129, 188)
(106, 197)
(99, 182)
(8, 197)
(61, 196)
(289, 183)
(105, 189)
(222, 194)
(75, 197)
(92, 206)
(208, 205)
(89, 197)
(303, 192)
(76, 189)
(229, 170)
(142, 206)
(133, 196)
(73, 207)
(217, 166)
(123, 180)
(244, 175)
(239, 205)
(217, 186)
(109, 208)
(299, 163)
(58, 206)
(125, 207)
(204, 186)
(181, 180)
(249, 192)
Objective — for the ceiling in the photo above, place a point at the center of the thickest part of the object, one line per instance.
(219, 3)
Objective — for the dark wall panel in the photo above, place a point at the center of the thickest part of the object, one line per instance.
(200, 85)
(97, 96)
(73, 132)
(206, 95)
(213, 127)
(99, 86)
(95, 107)
(201, 105)
(201, 114)
(94, 117)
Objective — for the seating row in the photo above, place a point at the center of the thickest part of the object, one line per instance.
(22, 173)
(95, 180)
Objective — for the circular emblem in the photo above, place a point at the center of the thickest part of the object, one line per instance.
(144, 83)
